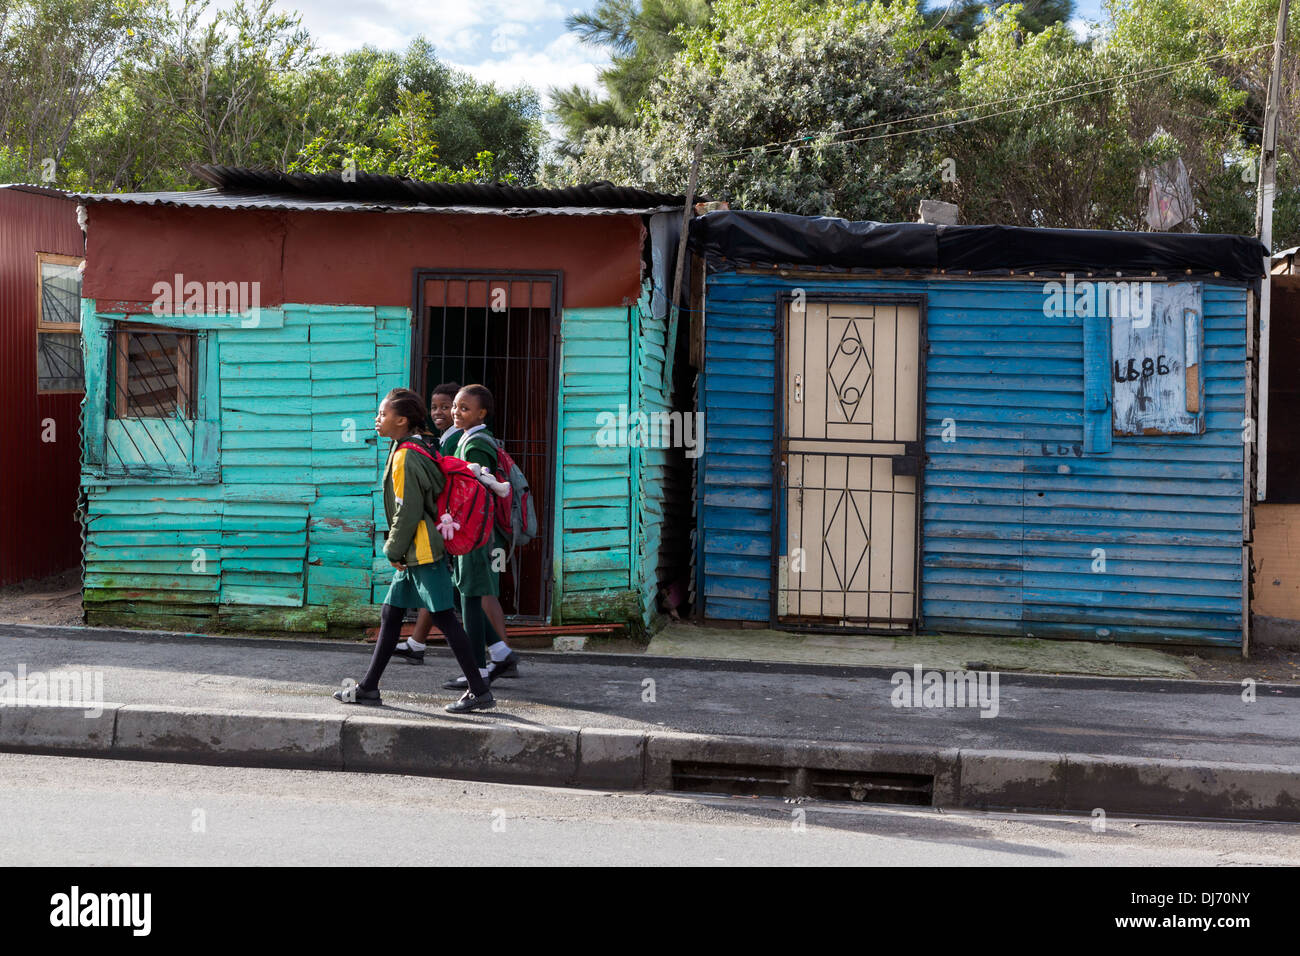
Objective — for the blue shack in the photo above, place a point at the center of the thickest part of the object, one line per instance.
(975, 429)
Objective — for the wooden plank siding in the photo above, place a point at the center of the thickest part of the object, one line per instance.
(594, 540)
(652, 464)
(288, 536)
(1014, 506)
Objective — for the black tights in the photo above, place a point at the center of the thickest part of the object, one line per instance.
(390, 632)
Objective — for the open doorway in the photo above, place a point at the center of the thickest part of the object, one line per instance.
(499, 330)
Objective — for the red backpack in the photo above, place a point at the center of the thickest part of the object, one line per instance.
(516, 516)
(464, 507)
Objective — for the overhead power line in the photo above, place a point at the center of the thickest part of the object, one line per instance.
(1120, 79)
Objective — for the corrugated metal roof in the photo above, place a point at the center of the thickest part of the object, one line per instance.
(240, 188)
(371, 187)
(215, 198)
(36, 190)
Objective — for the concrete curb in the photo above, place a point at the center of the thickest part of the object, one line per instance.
(610, 759)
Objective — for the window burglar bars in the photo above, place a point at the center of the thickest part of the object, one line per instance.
(151, 379)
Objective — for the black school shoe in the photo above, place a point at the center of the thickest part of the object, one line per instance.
(408, 655)
(357, 695)
(468, 702)
(509, 667)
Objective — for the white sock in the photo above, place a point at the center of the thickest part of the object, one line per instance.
(401, 646)
(414, 645)
(499, 651)
(483, 673)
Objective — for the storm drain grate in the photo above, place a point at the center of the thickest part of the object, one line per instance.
(735, 779)
(850, 786)
(911, 789)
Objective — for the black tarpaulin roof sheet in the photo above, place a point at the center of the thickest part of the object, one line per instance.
(780, 239)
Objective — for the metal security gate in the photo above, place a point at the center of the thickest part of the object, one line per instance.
(500, 329)
(849, 464)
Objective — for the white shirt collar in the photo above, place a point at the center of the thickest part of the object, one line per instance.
(476, 428)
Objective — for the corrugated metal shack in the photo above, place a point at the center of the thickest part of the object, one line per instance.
(976, 429)
(238, 340)
(40, 381)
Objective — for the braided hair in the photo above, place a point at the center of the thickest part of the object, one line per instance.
(408, 404)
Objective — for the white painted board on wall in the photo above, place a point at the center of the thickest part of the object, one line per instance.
(1156, 360)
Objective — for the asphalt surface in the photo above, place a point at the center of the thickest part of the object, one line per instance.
(169, 814)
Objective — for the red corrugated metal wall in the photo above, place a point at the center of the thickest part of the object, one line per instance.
(350, 258)
(39, 534)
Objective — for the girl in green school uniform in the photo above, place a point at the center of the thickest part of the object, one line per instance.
(411, 650)
(475, 574)
(440, 406)
(414, 547)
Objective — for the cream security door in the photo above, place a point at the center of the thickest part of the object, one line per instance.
(850, 465)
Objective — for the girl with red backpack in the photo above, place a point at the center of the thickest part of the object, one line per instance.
(414, 484)
(475, 574)
(444, 438)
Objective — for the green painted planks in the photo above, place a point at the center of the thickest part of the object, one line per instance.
(259, 595)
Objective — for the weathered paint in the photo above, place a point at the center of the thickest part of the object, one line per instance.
(1155, 353)
(292, 520)
(1016, 505)
(351, 258)
(283, 389)
(594, 552)
(650, 460)
(40, 534)
(611, 488)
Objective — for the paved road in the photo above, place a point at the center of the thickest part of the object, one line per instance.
(171, 814)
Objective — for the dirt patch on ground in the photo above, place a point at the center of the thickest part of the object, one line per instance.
(55, 600)
(1278, 664)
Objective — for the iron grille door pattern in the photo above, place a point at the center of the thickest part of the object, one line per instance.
(849, 465)
(500, 329)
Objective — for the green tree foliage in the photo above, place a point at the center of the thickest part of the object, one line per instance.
(642, 37)
(962, 19)
(122, 94)
(54, 55)
(366, 98)
(771, 88)
(1064, 129)
(209, 89)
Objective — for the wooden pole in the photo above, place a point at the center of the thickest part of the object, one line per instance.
(670, 345)
(1264, 229)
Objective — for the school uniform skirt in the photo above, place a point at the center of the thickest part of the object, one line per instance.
(422, 585)
(473, 574)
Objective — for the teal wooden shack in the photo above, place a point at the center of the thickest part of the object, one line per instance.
(238, 339)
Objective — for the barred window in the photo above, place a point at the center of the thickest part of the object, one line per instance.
(151, 373)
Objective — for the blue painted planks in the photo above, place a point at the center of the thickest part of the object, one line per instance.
(1014, 508)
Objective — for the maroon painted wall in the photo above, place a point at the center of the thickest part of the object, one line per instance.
(350, 258)
(39, 534)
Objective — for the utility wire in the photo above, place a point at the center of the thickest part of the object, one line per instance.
(1117, 80)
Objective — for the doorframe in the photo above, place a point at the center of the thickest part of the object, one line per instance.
(783, 298)
(419, 327)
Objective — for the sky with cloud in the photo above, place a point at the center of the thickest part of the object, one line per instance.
(506, 41)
